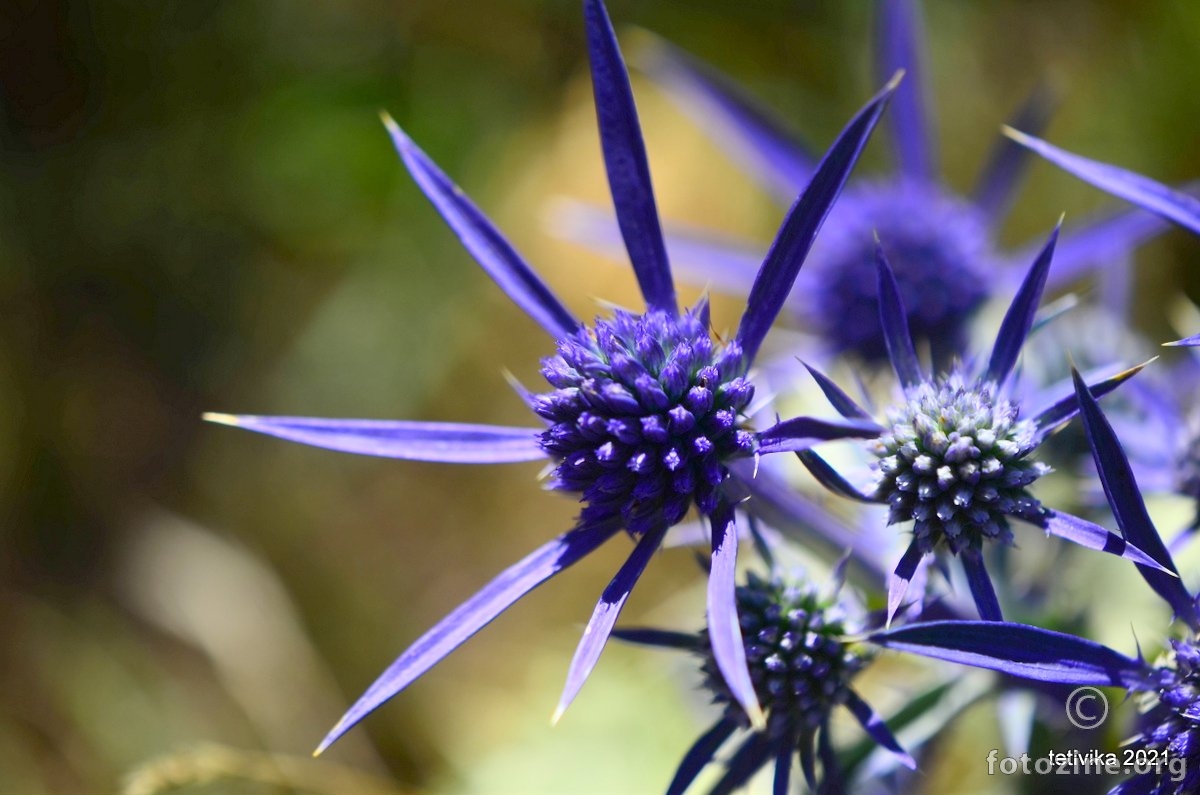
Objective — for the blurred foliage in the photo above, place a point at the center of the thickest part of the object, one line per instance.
(200, 211)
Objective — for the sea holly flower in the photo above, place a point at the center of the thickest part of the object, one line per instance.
(956, 456)
(802, 659)
(645, 414)
(942, 245)
(1169, 729)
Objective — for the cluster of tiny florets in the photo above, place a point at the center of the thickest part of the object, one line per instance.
(1171, 722)
(954, 462)
(798, 658)
(937, 245)
(644, 413)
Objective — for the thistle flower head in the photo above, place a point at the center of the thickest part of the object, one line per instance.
(953, 461)
(645, 410)
(1170, 724)
(799, 660)
(939, 247)
(801, 664)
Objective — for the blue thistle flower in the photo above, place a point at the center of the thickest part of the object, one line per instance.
(942, 245)
(1169, 689)
(955, 457)
(645, 414)
(802, 661)
(1170, 724)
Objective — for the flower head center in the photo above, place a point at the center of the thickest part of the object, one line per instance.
(799, 662)
(953, 461)
(645, 411)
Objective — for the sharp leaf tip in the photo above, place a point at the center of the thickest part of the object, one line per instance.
(221, 419)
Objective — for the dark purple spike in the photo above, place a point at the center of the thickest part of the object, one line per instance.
(801, 433)
(1019, 317)
(783, 770)
(894, 321)
(659, 638)
(749, 758)
(794, 239)
(841, 402)
(1017, 649)
(1099, 242)
(625, 162)
(982, 589)
(805, 750)
(828, 477)
(876, 728)
(901, 577)
(1068, 406)
(700, 754)
(1125, 498)
(833, 780)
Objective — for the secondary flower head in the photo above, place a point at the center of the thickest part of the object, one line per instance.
(941, 244)
(955, 457)
(954, 461)
(1170, 725)
(1169, 690)
(799, 660)
(802, 662)
(645, 413)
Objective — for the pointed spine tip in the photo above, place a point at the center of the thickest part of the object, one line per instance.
(334, 735)
(221, 419)
(558, 713)
(894, 83)
(1015, 134)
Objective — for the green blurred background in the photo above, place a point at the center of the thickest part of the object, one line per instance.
(199, 210)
